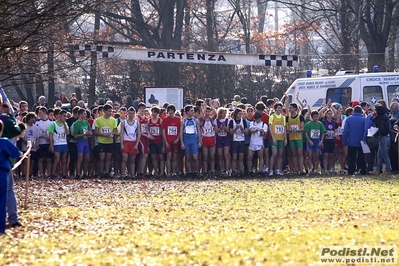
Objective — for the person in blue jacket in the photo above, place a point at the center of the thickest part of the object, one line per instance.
(7, 152)
(351, 137)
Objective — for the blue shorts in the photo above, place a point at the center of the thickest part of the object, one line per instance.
(61, 149)
(191, 145)
(83, 146)
(315, 147)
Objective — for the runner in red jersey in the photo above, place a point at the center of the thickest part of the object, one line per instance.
(170, 132)
(156, 146)
(143, 146)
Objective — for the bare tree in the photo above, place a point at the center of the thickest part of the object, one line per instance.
(375, 29)
(30, 32)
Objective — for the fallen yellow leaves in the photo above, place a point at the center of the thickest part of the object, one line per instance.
(239, 222)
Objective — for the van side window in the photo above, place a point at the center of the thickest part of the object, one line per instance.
(393, 92)
(339, 95)
(372, 94)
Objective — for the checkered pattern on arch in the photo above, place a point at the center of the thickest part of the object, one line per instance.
(280, 60)
(87, 50)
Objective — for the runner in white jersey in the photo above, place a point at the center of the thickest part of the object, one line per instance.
(31, 135)
(58, 142)
(208, 143)
(258, 130)
(117, 142)
(44, 156)
(238, 129)
(130, 139)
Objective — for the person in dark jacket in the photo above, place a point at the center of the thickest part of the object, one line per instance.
(351, 137)
(11, 131)
(370, 141)
(41, 102)
(382, 122)
(7, 151)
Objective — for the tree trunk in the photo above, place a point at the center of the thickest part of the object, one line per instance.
(166, 73)
(93, 63)
(375, 28)
(392, 41)
(346, 59)
(51, 84)
(262, 6)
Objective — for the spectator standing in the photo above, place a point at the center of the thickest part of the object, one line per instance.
(11, 131)
(7, 151)
(383, 124)
(41, 102)
(351, 137)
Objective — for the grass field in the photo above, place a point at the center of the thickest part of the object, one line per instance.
(229, 222)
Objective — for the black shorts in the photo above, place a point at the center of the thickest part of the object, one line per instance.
(96, 153)
(266, 143)
(328, 147)
(33, 155)
(43, 152)
(105, 148)
(155, 148)
(117, 147)
(237, 147)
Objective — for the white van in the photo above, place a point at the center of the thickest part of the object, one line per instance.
(342, 88)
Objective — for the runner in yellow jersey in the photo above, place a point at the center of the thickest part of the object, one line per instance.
(278, 135)
(295, 127)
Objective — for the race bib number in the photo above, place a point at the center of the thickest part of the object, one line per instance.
(208, 131)
(61, 136)
(330, 134)
(222, 133)
(314, 134)
(154, 131)
(340, 131)
(144, 128)
(190, 129)
(172, 130)
(279, 129)
(106, 130)
(294, 128)
(238, 134)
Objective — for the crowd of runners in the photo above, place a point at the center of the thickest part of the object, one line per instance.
(205, 138)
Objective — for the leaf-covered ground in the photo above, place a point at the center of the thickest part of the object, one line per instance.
(229, 222)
